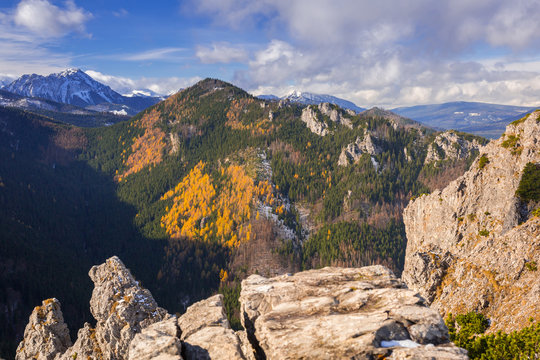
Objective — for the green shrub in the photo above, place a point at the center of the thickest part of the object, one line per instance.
(531, 265)
(483, 232)
(529, 186)
(536, 212)
(510, 142)
(483, 161)
(467, 331)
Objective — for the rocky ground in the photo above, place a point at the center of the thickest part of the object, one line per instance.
(336, 313)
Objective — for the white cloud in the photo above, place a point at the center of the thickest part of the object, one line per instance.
(125, 85)
(48, 20)
(169, 53)
(221, 53)
(389, 52)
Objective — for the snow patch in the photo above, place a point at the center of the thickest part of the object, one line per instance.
(399, 343)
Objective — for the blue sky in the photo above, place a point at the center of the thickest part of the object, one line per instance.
(374, 53)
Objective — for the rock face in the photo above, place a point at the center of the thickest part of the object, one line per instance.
(450, 145)
(472, 246)
(317, 314)
(319, 127)
(336, 313)
(46, 335)
(121, 307)
(353, 151)
(335, 115)
(206, 331)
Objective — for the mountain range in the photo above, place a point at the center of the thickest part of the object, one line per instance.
(488, 120)
(75, 87)
(308, 98)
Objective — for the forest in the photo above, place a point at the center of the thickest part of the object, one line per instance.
(194, 194)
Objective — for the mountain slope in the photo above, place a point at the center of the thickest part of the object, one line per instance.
(75, 87)
(201, 190)
(307, 98)
(475, 245)
(482, 119)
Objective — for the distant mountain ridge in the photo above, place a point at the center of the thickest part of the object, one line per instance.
(75, 87)
(307, 98)
(478, 118)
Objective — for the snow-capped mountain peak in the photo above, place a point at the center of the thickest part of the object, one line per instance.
(307, 98)
(73, 86)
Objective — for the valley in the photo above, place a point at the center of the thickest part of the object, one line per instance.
(209, 186)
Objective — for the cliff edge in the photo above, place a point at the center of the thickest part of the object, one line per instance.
(334, 313)
(474, 245)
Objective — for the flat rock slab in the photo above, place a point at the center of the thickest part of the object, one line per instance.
(335, 313)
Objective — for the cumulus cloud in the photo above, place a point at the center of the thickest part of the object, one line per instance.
(48, 20)
(389, 53)
(220, 53)
(161, 86)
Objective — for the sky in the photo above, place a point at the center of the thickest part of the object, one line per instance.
(384, 53)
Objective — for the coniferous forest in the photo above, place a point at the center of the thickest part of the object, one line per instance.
(196, 193)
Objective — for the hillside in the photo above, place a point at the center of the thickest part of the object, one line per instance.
(203, 189)
(475, 245)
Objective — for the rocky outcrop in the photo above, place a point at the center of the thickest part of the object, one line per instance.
(309, 116)
(473, 245)
(318, 126)
(206, 331)
(449, 145)
(46, 334)
(317, 314)
(353, 151)
(121, 307)
(335, 115)
(158, 341)
(336, 313)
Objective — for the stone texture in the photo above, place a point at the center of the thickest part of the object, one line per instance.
(449, 145)
(121, 307)
(158, 341)
(352, 152)
(429, 352)
(335, 115)
(46, 334)
(335, 313)
(309, 116)
(86, 346)
(468, 245)
(317, 314)
(206, 332)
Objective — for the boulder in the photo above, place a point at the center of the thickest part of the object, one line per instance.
(335, 313)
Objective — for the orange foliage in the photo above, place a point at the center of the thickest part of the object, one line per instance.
(260, 127)
(199, 213)
(146, 149)
(193, 199)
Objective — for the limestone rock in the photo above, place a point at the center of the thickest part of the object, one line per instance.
(468, 245)
(335, 115)
(159, 341)
(121, 307)
(450, 145)
(309, 116)
(352, 152)
(206, 332)
(335, 313)
(429, 352)
(86, 346)
(46, 334)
